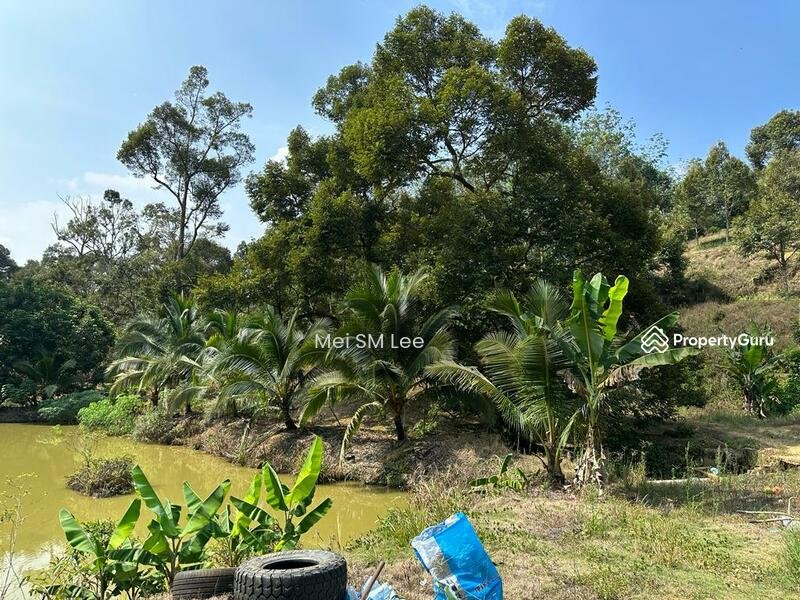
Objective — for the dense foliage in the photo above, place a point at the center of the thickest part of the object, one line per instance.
(50, 341)
(451, 152)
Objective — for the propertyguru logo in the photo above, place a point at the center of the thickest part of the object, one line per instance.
(656, 340)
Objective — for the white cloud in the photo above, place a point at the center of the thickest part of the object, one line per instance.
(139, 190)
(281, 155)
(25, 228)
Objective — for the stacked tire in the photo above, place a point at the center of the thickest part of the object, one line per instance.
(294, 575)
(202, 583)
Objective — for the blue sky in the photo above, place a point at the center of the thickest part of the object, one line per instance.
(76, 76)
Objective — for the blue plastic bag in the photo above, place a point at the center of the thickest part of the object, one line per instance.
(454, 556)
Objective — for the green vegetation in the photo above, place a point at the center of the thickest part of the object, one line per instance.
(268, 363)
(63, 410)
(50, 342)
(105, 560)
(269, 535)
(391, 374)
(114, 417)
(420, 275)
(103, 477)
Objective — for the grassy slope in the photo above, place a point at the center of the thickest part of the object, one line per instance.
(738, 291)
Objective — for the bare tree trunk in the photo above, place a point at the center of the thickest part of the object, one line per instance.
(554, 473)
(288, 421)
(727, 224)
(591, 469)
(399, 428)
(784, 265)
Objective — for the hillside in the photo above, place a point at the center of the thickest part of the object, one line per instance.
(733, 291)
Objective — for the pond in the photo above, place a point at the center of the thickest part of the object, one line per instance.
(41, 461)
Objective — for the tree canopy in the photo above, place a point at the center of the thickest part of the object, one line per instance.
(194, 149)
(450, 152)
(40, 324)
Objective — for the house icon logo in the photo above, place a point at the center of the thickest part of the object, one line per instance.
(655, 340)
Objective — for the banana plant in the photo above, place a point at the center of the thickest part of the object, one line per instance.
(113, 564)
(170, 546)
(598, 360)
(245, 530)
(263, 533)
(751, 366)
(513, 479)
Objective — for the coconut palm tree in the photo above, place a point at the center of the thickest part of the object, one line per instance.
(392, 344)
(159, 353)
(521, 371)
(269, 363)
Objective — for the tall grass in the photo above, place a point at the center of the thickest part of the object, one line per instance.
(431, 502)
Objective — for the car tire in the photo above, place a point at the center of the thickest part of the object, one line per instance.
(293, 575)
(202, 583)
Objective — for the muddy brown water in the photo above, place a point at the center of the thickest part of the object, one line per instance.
(40, 461)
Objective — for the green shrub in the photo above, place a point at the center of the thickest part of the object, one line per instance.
(792, 554)
(21, 394)
(154, 426)
(103, 477)
(114, 417)
(64, 409)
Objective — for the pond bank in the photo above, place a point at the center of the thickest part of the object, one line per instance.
(374, 457)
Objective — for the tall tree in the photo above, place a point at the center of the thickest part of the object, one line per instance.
(194, 149)
(450, 153)
(119, 258)
(109, 229)
(7, 264)
(780, 133)
(714, 191)
(772, 224)
(729, 184)
(690, 206)
(41, 324)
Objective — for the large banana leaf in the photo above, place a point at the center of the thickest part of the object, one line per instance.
(147, 493)
(630, 371)
(156, 543)
(633, 348)
(126, 524)
(193, 501)
(309, 473)
(273, 488)
(253, 512)
(76, 535)
(611, 315)
(251, 498)
(313, 517)
(583, 322)
(203, 514)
